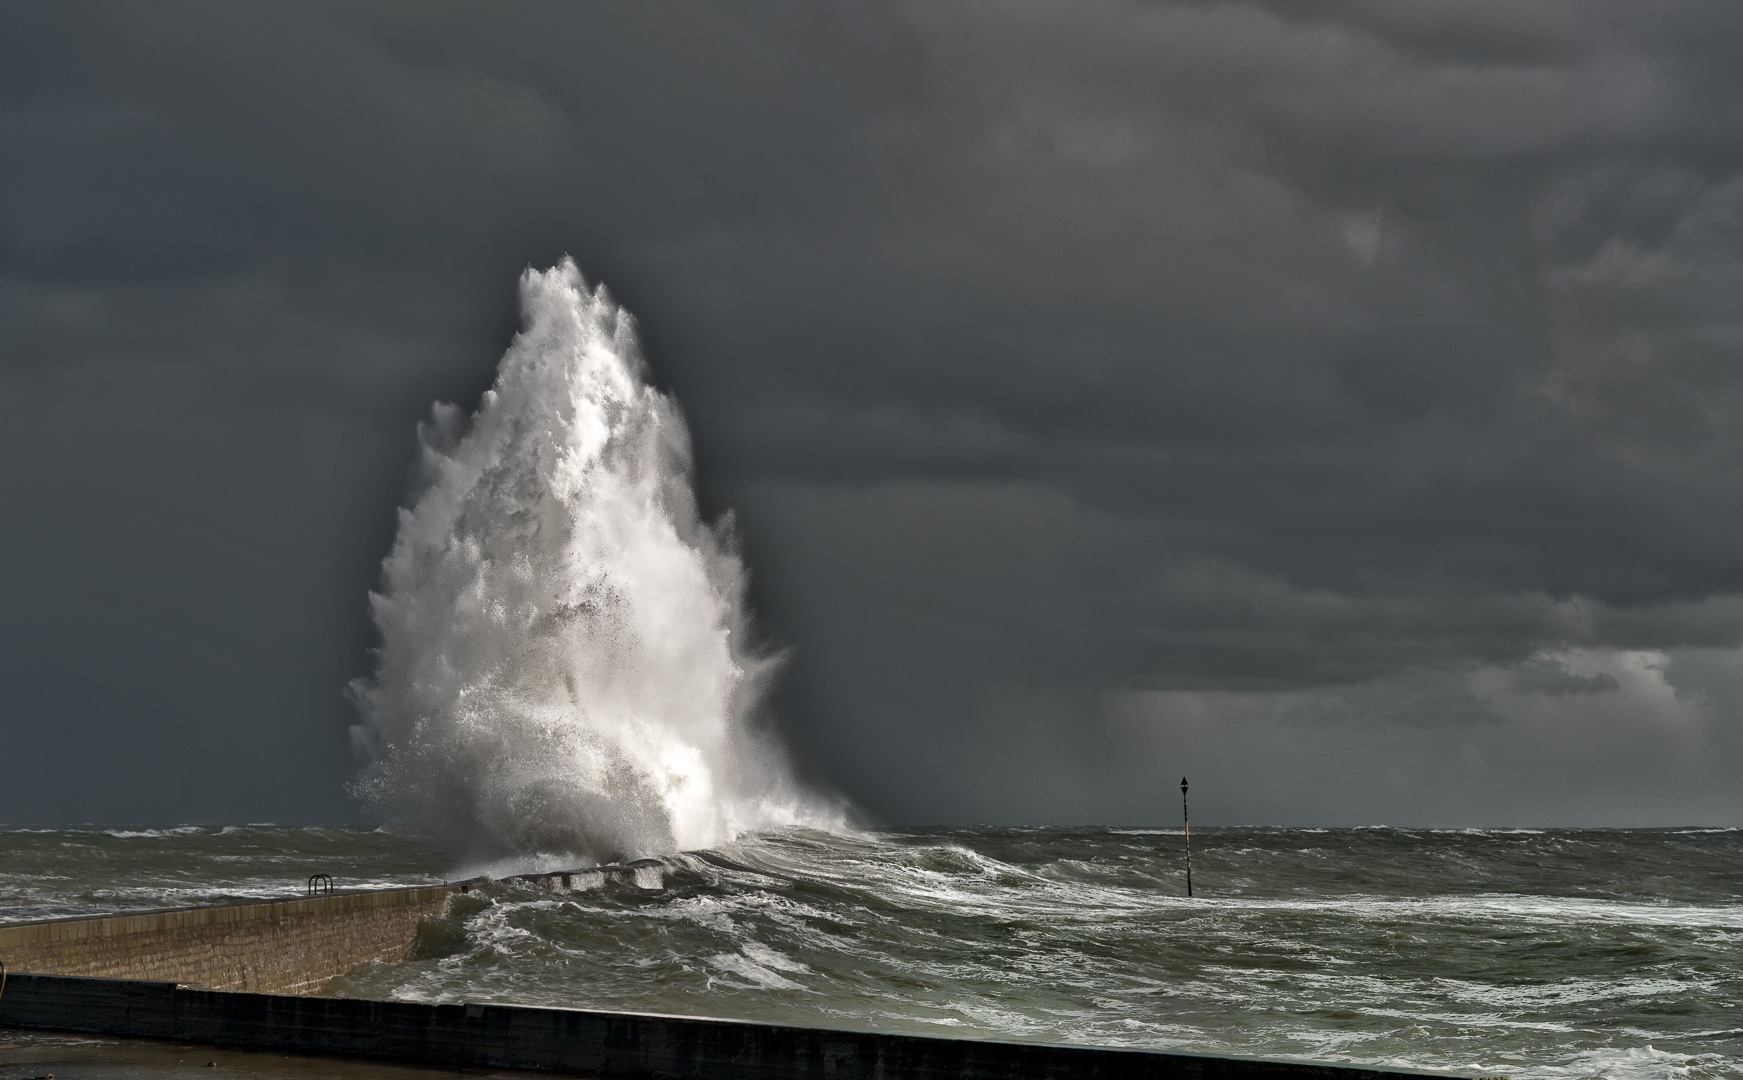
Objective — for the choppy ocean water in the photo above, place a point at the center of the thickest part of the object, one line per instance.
(1546, 954)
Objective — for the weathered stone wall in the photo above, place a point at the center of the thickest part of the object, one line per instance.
(286, 947)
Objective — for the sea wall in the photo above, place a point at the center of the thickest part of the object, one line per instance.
(603, 1045)
(287, 946)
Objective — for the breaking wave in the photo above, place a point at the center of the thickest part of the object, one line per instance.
(565, 666)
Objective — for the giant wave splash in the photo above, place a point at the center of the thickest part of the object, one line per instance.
(565, 667)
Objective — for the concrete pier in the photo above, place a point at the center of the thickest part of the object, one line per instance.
(606, 1045)
(286, 946)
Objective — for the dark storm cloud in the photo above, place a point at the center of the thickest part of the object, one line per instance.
(1101, 386)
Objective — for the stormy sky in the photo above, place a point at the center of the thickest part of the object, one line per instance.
(1340, 403)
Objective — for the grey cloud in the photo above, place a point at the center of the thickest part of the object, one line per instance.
(1053, 355)
(1548, 676)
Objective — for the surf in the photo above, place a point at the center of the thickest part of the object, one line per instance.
(567, 671)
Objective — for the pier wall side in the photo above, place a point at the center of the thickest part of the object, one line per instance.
(287, 946)
(601, 1045)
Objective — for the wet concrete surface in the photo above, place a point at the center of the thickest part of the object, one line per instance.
(30, 1054)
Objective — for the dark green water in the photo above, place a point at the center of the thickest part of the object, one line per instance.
(1532, 953)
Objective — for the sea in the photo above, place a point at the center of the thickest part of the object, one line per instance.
(1529, 953)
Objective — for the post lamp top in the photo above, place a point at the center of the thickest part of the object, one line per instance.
(1183, 785)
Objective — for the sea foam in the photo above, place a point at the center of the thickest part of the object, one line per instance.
(565, 665)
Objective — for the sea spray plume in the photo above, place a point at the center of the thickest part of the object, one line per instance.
(564, 665)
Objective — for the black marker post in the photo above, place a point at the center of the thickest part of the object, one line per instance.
(1186, 822)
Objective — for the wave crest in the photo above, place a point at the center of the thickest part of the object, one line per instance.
(565, 665)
